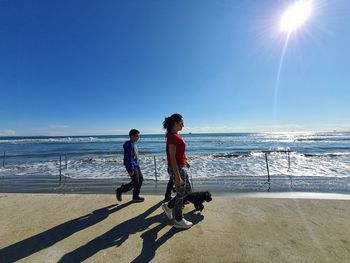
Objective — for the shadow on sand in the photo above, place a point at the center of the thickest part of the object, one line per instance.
(150, 241)
(51, 236)
(120, 233)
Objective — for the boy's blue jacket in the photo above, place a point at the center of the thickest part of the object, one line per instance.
(130, 156)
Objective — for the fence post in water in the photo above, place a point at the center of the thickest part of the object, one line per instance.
(288, 160)
(60, 168)
(3, 160)
(65, 155)
(155, 168)
(267, 167)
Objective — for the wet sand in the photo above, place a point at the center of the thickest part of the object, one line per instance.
(231, 228)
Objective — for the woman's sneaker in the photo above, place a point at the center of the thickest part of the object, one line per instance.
(168, 211)
(183, 223)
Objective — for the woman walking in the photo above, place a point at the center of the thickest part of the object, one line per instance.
(176, 157)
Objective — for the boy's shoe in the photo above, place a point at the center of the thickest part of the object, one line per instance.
(183, 223)
(168, 211)
(118, 194)
(138, 199)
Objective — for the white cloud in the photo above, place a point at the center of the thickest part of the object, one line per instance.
(8, 132)
(58, 126)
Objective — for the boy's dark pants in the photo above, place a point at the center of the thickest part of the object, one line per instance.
(136, 183)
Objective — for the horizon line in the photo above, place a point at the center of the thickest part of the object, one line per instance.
(184, 133)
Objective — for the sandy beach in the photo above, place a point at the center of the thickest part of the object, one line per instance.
(231, 228)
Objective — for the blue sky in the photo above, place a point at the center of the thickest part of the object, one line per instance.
(104, 67)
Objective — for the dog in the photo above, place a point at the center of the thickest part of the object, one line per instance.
(198, 198)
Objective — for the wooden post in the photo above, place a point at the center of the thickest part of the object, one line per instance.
(65, 155)
(60, 169)
(288, 160)
(155, 168)
(3, 160)
(267, 167)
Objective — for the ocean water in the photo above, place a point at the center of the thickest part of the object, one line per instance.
(210, 155)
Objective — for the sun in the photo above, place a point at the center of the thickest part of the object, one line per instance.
(296, 15)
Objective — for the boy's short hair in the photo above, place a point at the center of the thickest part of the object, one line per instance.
(133, 132)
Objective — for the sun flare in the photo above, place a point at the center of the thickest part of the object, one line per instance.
(296, 15)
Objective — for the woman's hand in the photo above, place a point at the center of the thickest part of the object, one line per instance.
(178, 181)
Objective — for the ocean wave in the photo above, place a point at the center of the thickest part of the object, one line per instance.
(202, 166)
(60, 140)
(61, 153)
(151, 154)
(230, 155)
(334, 154)
(326, 139)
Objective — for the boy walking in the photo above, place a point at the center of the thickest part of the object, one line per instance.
(132, 167)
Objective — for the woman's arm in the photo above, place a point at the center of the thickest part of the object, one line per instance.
(173, 163)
